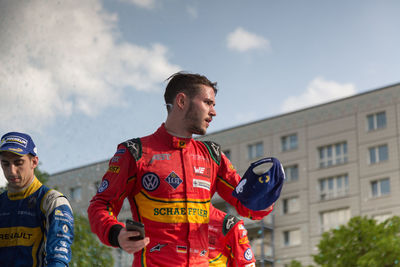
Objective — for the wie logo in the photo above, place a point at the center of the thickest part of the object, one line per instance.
(202, 171)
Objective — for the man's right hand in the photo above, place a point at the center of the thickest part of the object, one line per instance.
(131, 246)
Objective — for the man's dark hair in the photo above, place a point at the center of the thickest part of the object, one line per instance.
(187, 83)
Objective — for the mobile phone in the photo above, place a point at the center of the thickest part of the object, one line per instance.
(135, 226)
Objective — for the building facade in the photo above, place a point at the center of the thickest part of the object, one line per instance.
(341, 160)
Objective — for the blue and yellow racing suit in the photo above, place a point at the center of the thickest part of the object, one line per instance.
(36, 227)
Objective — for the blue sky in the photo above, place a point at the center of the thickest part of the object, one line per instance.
(83, 76)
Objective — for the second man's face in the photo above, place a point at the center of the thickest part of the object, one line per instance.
(201, 111)
(18, 170)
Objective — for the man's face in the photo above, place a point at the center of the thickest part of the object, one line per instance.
(18, 170)
(200, 111)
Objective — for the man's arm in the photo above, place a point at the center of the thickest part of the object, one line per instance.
(239, 245)
(105, 206)
(59, 228)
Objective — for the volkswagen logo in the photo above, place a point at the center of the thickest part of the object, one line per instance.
(150, 181)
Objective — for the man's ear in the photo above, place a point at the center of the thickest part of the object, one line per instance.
(180, 100)
(35, 161)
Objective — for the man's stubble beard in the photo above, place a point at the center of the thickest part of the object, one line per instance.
(194, 121)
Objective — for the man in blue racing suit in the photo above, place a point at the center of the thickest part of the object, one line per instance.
(36, 223)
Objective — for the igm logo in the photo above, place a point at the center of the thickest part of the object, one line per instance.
(173, 180)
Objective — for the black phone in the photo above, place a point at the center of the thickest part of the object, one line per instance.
(135, 226)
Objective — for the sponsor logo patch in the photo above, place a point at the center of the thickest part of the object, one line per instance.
(216, 149)
(113, 169)
(181, 249)
(157, 247)
(201, 184)
(120, 151)
(202, 171)
(115, 159)
(103, 186)
(173, 180)
(239, 187)
(229, 223)
(16, 140)
(150, 181)
(263, 179)
(243, 240)
(248, 254)
(199, 157)
(160, 157)
(132, 146)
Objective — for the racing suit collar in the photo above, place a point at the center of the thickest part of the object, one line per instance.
(25, 192)
(174, 141)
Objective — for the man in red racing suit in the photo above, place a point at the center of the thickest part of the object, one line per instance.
(228, 242)
(169, 182)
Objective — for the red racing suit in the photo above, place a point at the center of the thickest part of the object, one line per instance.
(169, 182)
(228, 242)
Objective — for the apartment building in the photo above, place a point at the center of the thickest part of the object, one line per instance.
(341, 160)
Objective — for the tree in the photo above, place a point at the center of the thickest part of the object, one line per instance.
(362, 242)
(43, 176)
(86, 250)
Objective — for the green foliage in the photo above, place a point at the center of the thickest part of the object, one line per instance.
(86, 249)
(361, 243)
(41, 175)
(295, 263)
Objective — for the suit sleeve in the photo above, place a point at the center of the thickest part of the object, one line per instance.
(105, 206)
(59, 229)
(227, 180)
(239, 246)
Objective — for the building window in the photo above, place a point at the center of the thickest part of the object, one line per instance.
(291, 205)
(333, 219)
(376, 121)
(258, 245)
(382, 217)
(333, 187)
(227, 154)
(378, 154)
(292, 173)
(289, 142)
(291, 238)
(380, 187)
(332, 154)
(76, 193)
(255, 150)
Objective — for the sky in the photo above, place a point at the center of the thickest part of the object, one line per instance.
(82, 76)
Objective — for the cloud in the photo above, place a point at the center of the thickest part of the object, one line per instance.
(242, 41)
(192, 11)
(65, 57)
(148, 4)
(318, 91)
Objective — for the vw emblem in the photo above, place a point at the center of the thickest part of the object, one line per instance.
(150, 181)
(248, 254)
